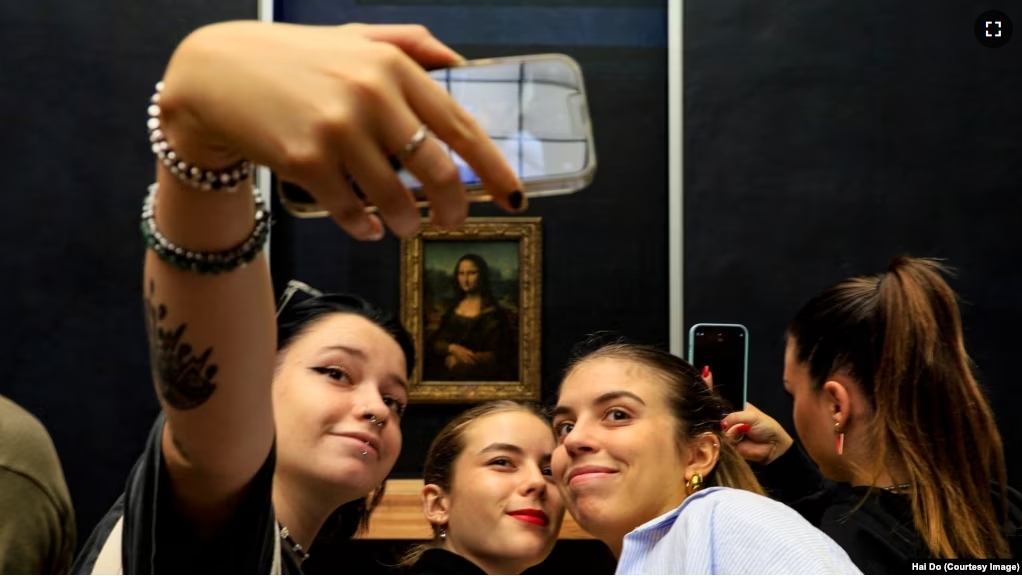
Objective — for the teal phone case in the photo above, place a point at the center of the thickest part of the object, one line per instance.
(745, 376)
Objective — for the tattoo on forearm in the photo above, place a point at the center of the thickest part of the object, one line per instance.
(184, 380)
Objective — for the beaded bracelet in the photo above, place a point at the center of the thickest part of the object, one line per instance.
(227, 179)
(205, 262)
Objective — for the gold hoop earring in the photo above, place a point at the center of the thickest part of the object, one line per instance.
(694, 484)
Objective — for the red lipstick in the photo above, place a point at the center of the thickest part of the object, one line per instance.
(530, 515)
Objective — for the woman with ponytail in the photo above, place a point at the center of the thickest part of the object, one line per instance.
(887, 406)
(642, 466)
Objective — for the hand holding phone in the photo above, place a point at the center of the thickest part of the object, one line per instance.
(534, 110)
(758, 437)
(724, 348)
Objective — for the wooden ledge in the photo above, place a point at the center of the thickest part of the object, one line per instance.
(399, 516)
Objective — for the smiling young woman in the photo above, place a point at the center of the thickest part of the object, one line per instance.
(643, 467)
(489, 494)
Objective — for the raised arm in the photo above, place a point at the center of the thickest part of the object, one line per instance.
(780, 465)
(212, 340)
(317, 105)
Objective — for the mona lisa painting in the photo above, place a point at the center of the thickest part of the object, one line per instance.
(471, 300)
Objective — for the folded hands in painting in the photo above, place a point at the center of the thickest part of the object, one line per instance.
(458, 354)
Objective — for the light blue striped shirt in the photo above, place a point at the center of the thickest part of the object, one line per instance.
(728, 531)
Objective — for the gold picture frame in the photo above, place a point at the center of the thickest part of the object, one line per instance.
(477, 287)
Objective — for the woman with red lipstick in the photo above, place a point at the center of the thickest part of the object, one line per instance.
(642, 466)
(489, 495)
(270, 428)
(886, 405)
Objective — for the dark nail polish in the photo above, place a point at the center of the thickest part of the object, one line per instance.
(516, 199)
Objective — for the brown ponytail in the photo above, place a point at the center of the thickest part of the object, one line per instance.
(697, 409)
(900, 336)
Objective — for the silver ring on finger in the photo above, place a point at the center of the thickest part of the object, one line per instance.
(413, 144)
(740, 438)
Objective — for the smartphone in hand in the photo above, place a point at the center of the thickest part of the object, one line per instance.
(534, 109)
(725, 349)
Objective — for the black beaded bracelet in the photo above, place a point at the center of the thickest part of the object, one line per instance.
(205, 262)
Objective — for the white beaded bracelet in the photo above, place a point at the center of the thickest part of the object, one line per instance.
(227, 179)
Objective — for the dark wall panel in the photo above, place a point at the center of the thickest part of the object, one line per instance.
(75, 78)
(604, 248)
(822, 138)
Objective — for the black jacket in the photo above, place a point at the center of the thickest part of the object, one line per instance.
(440, 561)
(879, 535)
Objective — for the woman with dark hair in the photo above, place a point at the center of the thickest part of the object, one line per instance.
(268, 428)
(489, 494)
(642, 465)
(887, 406)
(473, 340)
(338, 395)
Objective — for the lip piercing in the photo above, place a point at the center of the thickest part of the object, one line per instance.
(366, 452)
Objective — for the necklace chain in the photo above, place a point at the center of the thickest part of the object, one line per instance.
(296, 548)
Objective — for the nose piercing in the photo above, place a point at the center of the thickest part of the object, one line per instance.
(367, 414)
(371, 417)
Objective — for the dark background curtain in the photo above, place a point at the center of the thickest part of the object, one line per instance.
(605, 248)
(824, 138)
(75, 80)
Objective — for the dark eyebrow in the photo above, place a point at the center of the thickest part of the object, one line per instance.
(505, 447)
(602, 399)
(502, 447)
(561, 411)
(609, 396)
(357, 353)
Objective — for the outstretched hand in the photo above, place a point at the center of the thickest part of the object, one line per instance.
(323, 105)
